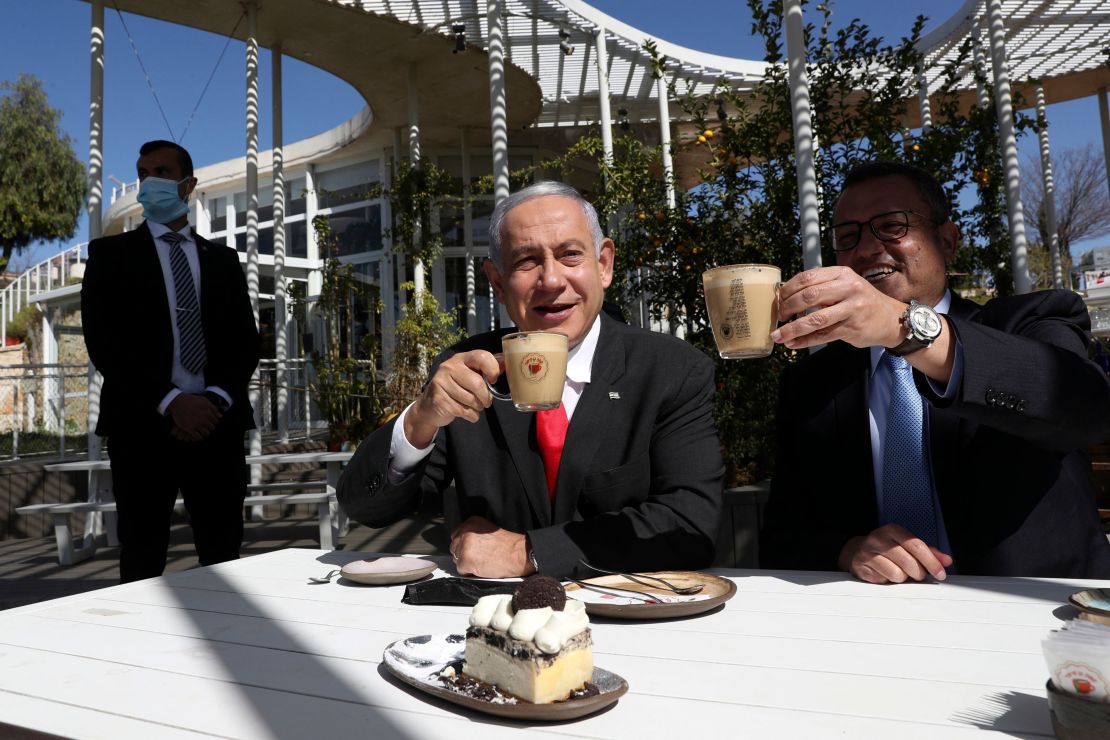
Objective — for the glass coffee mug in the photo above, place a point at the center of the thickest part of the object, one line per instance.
(743, 306)
(536, 368)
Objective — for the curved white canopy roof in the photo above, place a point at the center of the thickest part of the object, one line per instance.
(1062, 43)
(569, 82)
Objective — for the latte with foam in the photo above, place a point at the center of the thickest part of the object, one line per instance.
(742, 301)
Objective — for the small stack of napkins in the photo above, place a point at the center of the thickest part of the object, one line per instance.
(1078, 659)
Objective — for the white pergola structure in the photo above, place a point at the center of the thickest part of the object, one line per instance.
(540, 71)
(549, 65)
(1048, 50)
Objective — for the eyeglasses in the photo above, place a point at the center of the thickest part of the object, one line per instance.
(886, 227)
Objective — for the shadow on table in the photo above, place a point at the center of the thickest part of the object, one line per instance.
(1007, 711)
(1026, 587)
(280, 678)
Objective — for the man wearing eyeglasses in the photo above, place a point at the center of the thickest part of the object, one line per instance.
(932, 435)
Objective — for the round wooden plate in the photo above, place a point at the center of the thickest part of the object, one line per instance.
(717, 590)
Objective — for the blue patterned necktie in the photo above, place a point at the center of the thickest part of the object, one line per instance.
(907, 477)
(189, 332)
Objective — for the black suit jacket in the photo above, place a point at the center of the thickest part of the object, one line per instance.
(639, 484)
(126, 320)
(1015, 490)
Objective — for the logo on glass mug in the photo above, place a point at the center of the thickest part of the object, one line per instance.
(534, 367)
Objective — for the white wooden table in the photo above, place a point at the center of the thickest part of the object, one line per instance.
(250, 649)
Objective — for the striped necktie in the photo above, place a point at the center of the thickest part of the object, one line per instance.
(907, 477)
(190, 335)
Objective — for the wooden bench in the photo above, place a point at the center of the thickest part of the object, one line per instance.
(100, 493)
(70, 552)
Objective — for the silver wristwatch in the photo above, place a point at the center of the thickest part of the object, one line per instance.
(532, 556)
(922, 325)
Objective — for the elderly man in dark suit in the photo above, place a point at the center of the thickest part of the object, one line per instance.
(625, 474)
(936, 435)
(168, 323)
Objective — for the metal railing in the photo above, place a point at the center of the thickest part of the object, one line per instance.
(123, 188)
(53, 272)
(303, 415)
(44, 409)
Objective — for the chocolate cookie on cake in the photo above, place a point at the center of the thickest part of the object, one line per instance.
(534, 644)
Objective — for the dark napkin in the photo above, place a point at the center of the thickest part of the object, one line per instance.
(454, 591)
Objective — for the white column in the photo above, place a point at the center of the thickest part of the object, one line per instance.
(1104, 119)
(312, 249)
(252, 217)
(499, 109)
(281, 318)
(468, 237)
(499, 116)
(229, 219)
(200, 215)
(605, 115)
(923, 98)
(979, 63)
(95, 184)
(803, 135)
(414, 161)
(53, 385)
(96, 119)
(1008, 143)
(665, 137)
(314, 282)
(252, 154)
(1051, 238)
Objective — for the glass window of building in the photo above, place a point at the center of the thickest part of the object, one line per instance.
(265, 204)
(296, 238)
(346, 185)
(217, 215)
(294, 197)
(355, 231)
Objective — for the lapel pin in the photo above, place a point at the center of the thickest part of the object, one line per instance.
(614, 396)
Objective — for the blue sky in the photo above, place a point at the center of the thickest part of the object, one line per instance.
(49, 38)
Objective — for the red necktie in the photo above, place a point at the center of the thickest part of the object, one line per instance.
(551, 432)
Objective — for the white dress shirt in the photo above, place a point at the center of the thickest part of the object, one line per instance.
(878, 401)
(403, 457)
(183, 380)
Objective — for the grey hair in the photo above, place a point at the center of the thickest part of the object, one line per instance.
(539, 190)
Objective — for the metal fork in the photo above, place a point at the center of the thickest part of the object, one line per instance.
(682, 590)
(602, 589)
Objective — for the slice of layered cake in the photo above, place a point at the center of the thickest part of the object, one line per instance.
(534, 644)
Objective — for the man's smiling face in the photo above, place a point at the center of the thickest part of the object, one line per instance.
(910, 267)
(551, 278)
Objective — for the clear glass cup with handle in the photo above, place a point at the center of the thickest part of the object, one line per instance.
(536, 368)
(742, 301)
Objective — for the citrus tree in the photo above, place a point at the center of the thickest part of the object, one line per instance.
(744, 207)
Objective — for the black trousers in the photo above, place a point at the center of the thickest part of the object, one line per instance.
(149, 467)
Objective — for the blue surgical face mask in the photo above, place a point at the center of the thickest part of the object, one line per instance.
(161, 202)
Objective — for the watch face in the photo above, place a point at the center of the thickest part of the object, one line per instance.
(925, 322)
